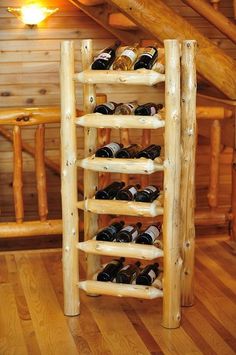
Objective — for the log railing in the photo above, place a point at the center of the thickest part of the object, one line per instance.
(221, 114)
(221, 22)
(18, 119)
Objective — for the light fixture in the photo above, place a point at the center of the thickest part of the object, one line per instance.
(32, 14)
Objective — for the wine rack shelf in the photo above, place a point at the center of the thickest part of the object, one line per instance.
(120, 290)
(175, 203)
(117, 207)
(131, 77)
(124, 166)
(128, 250)
(97, 120)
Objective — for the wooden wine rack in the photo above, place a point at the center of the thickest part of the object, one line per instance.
(178, 221)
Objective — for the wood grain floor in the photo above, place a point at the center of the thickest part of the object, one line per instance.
(32, 320)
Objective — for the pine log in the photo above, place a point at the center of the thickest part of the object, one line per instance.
(213, 16)
(17, 175)
(90, 145)
(163, 23)
(41, 172)
(215, 143)
(172, 165)
(188, 145)
(69, 181)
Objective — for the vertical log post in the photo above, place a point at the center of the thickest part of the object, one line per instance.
(17, 175)
(146, 139)
(233, 236)
(214, 164)
(104, 137)
(124, 139)
(187, 190)
(41, 172)
(69, 181)
(172, 170)
(90, 145)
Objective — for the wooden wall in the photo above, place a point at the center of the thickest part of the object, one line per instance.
(29, 76)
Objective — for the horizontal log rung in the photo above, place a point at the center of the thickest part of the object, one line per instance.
(97, 120)
(30, 228)
(120, 290)
(132, 77)
(129, 208)
(130, 250)
(126, 166)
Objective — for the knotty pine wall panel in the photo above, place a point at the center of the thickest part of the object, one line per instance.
(29, 76)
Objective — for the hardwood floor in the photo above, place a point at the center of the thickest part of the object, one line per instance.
(32, 320)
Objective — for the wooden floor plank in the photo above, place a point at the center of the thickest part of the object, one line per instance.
(84, 329)
(31, 288)
(216, 324)
(174, 341)
(218, 304)
(3, 270)
(116, 328)
(11, 334)
(51, 328)
(22, 307)
(223, 274)
(202, 333)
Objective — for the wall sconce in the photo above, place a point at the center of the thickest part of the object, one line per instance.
(31, 14)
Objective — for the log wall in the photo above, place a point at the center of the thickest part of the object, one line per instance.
(29, 76)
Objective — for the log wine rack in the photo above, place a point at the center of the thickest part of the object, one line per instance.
(176, 204)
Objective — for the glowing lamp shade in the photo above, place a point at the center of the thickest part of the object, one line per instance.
(31, 14)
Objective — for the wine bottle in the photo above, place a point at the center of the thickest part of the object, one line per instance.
(148, 275)
(128, 193)
(151, 152)
(128, 152)
(129, 233)
(105, 59)
(126, 58)
(109, 192)
(147, 58)
(148, 109)
(108, 108)
(149, 235)
(126, 109)
(148, 194)
(108, 234)
(110, 270)
(128, 273)
(108, 150)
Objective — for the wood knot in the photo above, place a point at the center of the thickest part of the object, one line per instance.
(30, 100)
(24, 118)
(5, 93)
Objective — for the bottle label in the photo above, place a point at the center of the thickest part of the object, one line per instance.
(129, 229)
(124, 268)
(134, 235)
(114, 147)
(110, 105)
(149, 52)
(152, 275)
(153, 232)
(133, 190)
(129, 53)
(153, 110)
(150, 189)
(104, 56)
